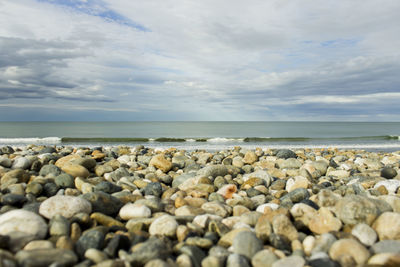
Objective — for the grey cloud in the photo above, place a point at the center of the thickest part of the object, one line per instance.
(35, 69)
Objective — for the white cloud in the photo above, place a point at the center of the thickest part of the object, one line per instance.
(204, 59)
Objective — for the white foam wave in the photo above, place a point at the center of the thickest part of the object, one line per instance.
(31, 140)
(190, 140)
(224, 140)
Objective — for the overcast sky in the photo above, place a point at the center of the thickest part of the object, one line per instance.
(200, 60)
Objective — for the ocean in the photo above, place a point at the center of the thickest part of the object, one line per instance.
(372, 136)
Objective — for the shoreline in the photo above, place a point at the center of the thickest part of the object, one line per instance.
(129, 206)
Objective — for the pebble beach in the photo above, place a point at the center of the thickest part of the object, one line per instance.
(138, 206)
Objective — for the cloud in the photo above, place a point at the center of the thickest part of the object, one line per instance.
(201, 60)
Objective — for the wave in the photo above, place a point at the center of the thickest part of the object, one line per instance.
(31, 140)
(210, 140)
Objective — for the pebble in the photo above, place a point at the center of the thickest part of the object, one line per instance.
(390, 185)
(234, 207)
(365, 234)
(21, 163)
(264, 258)
(164, 225)
(292, 261)
(247, 244)
(324, 221)
(386, 246)
(66, 206)
(160, 162)
(236, 260)
(356, 209)
(388, 173)
(22, 221)
(349, 247)
(387, 226)
(131, 211)
(46, 257)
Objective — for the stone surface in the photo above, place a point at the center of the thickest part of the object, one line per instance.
(46, 257)
(21, 163)
(386, 246)
(66, 206)
(390, 185)
(164, 225)
(247, 244)
(292, 261)
(356, 209)
(324, 221)
(130, 211)
(349, 247)
(388, 173)
(387, 226)
(103, 202)
(365, 234)
(151, 249)
(92, 238)
(285, 154)
(160, 162)
(263, 258)
(25, 222)
(282, 225)
(75, 170)
(236, 260)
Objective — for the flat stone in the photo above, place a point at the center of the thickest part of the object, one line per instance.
(365, 234)
(164, 225)
(216, 208)
(39, 244)
(95, 255)
(130, 211)
(247, 244)
(75, 170)
(46, 257)
(66, 206)
(107, 187)
(387, 225)
(297, 182)
(349, 247)
(106, 220)
(297, 195)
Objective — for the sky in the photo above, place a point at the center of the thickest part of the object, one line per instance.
(208, 60)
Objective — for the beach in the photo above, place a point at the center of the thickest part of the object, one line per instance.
(142, 206)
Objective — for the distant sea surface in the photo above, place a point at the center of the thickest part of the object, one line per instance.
(372, 136)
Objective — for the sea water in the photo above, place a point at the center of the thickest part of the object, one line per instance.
(377, 136)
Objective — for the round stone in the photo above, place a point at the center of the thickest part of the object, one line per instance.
(349, 247)
(247, 244)
(388, 226)
(130, 211)
(365, 234)
(66, 206)
(388, 173)
(21, 163)
(164, 225)
(23, 221)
